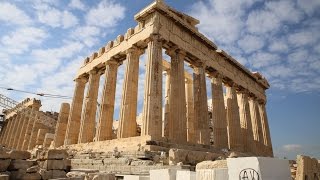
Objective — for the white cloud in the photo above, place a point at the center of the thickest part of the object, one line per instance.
(302, 38)
(285, 10)
(86, 34)
(11, 14)
(309, 6)
(292, 147)
(77, 4)
(20, 40)
(251, 43)
(262, 21)
(68, 19)
(278, 46)
(263, 59)
(106, 14)
(54, 17)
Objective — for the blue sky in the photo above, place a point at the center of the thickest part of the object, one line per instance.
(43, 43)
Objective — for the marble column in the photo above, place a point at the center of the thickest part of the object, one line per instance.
(152, 106)
(265, 129)
(220, 130)
(88, 118)
(245, 121)
(165, 130)
(256, 125)
(233, 119)
(27, 135)
(201, 105)
(12, 135)
(62, 124)
(104, 130)
(18, 129)
(4, 131)
(23, 128)
(129, 102)
(191, 130)
(177, 102)
(9, 126)
(34, 132)
(74, 118)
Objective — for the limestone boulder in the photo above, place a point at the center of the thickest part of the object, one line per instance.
(4, 164)
(212, 164)
(33, 169)
(75, 174)
(104, 176)
(54, 154)
(190, 157)
(14, 154)
(21, 164)
(57, 164)
(4, 155)
(4, 177)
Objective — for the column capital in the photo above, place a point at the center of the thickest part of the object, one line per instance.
(155, 37)
(230, 83)
(262, 101)
(175, 50)
(81, 80)
(134, 49)
(112, 61)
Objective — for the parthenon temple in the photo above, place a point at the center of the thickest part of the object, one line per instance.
(175, 104)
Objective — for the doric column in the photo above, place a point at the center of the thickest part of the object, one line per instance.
(4, 131)
(191, 130)
(62, 124)
(74, 119)
(219, 113)
(13, 133)
(201, 105)
(152, 106)
(245, 121)
(256, 125)
(41, 136)
(88, 118)
(177, 102)
(265, 128)
(128, 111)
(9, 126)
(233, 119)
(23, 128)
(34, 132)
(104, 130)
(18, 129)
(165, 130)
(29, 127)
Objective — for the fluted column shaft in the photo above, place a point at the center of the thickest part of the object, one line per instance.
(256, 125)
(233, 119)
(219, 114)
(245, 122)
(62, 124)
(191, 130)
(74, 119)
(23, 128)
(29, 127)
(128, 113)
(104, 131)
(13, 132)
(88, 118)
(152, 109)
(18, 129)
(265, 129)
(9, 127)
(165, 130)
(177, 102)
(4, 131)
(201, 106)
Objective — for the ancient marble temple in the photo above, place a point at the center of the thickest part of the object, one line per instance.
(239, 115)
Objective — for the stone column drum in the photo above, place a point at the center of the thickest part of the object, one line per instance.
(219, 113)
(233, 119)
(104, 131)
(74, 119)
(177, 102)
(128, 113)
(152, 106)
(88, 118)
